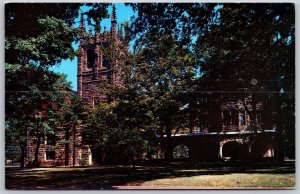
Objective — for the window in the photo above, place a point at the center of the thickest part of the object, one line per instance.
(50, 138)
(96, 102)
(258, 119)
(242, 119)
(235, 117)
(106, 63)
(226, 116)
(91, 56)
(50, 155)
(203, 100)
(197, 129)
(181, 151)
(202, 126)
(247, 101)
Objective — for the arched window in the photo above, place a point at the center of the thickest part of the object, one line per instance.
(50, 138)
(181, 151)
(90, 58)
(106, 63)
(231, 149)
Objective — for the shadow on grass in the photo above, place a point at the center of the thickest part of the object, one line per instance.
(97, 178)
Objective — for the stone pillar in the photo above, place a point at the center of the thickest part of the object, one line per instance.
(222, 120)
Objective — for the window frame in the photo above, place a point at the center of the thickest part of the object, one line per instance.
(47, 157)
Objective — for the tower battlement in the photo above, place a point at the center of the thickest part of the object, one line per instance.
(100, 60)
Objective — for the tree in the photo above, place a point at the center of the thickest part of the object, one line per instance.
(162, 72)
(44, 37)
(38, 36)
(71, 117)
(166, 63)
(30, 104)
(184, 21)
(240, 62)
(230, 56)
(33, 42)
(118, 137)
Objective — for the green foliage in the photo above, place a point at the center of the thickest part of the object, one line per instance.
(182, 20)
(230, 44)
(48, 48)
(162, 72)
(21, 19)
(31, 103)
(119, 134)
(164, 69)
(97, 12)
(43, 37)
(253, 41)
(37, 36)
(72, 109)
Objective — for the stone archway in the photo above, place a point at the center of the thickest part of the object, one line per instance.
(181, 151)
(230, 149)
(261, 150)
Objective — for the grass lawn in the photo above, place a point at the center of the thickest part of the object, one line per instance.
(151, 177)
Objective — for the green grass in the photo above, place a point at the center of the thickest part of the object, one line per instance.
(111, 177)
(234, 180)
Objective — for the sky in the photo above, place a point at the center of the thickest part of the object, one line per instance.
(69, 67)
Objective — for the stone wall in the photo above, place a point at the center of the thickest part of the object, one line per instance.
(60, 156)
(222, 146)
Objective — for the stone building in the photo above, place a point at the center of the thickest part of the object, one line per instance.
(216, 113)
(100, 61)
(227, 129)
(61, 146)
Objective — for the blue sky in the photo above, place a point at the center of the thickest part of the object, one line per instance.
(69, 67)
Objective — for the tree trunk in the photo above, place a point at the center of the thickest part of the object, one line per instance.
(74, 138)
(36, 154)
(279, 155)
(132, 161)
(279, 119)
(24, 148)
(23, 154)
(192, 117)
(280, 139)
(168, 144)
(103, 158)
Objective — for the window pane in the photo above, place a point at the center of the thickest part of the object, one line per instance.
(50, 155)
(242, 118)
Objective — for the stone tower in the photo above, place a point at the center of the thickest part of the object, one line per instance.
(100, 60)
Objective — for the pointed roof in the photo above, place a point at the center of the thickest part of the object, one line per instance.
(113, 15)
(82, 21)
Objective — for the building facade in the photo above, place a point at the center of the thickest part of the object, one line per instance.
(55, 146)
(228, 129)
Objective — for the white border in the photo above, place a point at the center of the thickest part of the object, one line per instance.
(2, 94)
